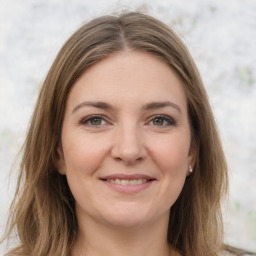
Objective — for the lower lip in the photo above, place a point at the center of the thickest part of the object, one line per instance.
(128, 189)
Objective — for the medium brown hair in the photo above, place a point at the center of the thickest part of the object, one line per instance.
(43, 212)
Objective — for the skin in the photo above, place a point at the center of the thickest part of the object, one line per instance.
(129, 135)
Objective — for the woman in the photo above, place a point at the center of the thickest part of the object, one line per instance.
(122, 156)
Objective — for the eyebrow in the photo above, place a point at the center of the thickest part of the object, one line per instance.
(148, 106)
(96, 104)
(157, 105)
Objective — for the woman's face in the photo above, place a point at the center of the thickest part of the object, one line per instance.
(126, 140)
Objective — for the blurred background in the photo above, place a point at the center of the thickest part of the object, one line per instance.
(221, 36)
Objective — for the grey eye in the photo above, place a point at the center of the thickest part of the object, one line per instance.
(158, 121)
(162, 121)
(95, 121)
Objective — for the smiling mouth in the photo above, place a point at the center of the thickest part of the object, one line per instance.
(127, 182)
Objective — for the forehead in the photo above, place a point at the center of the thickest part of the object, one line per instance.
(132, 77)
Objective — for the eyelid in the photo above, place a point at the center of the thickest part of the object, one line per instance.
(167, 118)
(86, 119)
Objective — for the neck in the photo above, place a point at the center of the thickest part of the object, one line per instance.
(96, 239)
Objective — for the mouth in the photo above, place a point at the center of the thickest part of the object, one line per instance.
(128, 183)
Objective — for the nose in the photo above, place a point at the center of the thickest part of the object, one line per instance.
(128, 145)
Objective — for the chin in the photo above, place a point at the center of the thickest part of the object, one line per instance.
(129, 217)
(127, 222)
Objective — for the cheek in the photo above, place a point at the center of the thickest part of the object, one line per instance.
(83, 157)
(172, 155)
(172, 159)
(83, 154)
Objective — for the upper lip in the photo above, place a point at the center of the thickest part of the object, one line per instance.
(127, 177)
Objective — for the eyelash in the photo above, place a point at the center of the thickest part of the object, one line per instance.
(169, 120)
(85, 121)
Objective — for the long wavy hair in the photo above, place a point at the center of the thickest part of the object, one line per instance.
(43, 213)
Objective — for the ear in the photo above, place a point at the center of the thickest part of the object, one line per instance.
(59, 161)
(192, 157)
(191, 161)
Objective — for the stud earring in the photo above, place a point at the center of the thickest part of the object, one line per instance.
(190, 169)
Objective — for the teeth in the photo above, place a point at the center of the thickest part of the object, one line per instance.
(133, 182)
(124, 182)
(127, 182)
